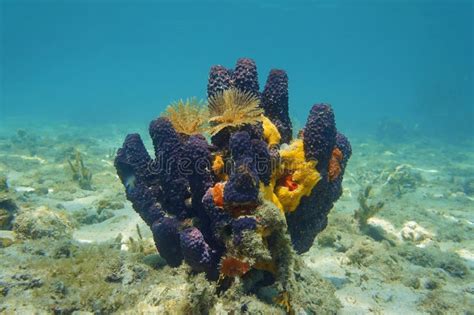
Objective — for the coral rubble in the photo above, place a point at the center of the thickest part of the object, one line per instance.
(241, 206)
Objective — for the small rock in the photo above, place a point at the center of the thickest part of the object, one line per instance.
(430, 284)
(7, 238)
(413, 232)
(42, 222)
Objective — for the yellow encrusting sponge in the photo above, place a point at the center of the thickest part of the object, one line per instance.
(296, 177)
(269, 194)
(270, 132)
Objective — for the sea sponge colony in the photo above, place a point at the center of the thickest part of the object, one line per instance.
(241, 205)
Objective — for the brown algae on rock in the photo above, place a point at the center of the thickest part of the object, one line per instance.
(43, 222)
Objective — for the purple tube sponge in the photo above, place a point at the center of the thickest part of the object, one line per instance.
(310, 217)
(166, 142)
(275, 103)
(263, 162)
(167, 240)
(240, 146)
(319, 135)
(132, 163)
(145, 203)
(343, 144)
(242, 187)
(220, 79)
(254, 131)
(132, 160)
(196, 165)
(219, 220)
(245, 76)
(196, 251)
(169, 152)
(335, 186)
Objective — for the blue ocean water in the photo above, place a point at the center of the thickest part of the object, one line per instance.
(90, 62)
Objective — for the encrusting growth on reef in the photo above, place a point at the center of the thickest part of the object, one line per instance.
(334, 168)
(233, 108)
(188, 116)
(240, 208)
(297, 177)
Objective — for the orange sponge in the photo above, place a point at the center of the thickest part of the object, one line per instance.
(232, 267)
(218, 194)
(334, 168)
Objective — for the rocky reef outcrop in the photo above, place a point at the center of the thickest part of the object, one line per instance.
(239, 208)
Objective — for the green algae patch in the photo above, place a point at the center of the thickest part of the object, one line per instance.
(441, 302)
(66, 276)
(47, 276)
(432, 257)
(109, 204)
(90, 216)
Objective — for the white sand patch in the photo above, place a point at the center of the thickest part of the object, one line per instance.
(432, 171)
(327, 263)
(109, 163)
(21, 189)
(373, 298)
(124, 222)
(25, 157)
(80, 203)
(467, 255)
